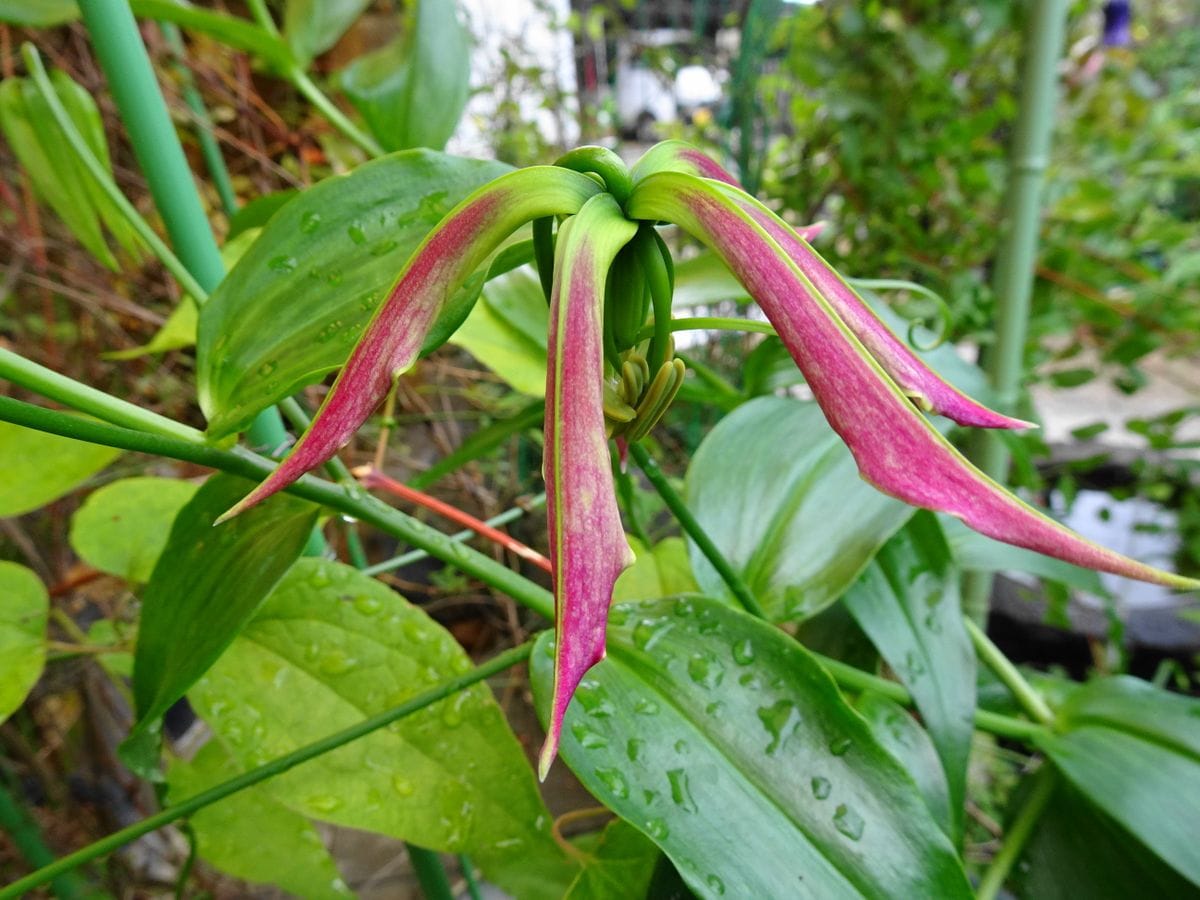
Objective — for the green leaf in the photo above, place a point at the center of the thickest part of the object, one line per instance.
(506, 331)
(122, 527)
(797, 526)
(36, 467)
(231, 31)
(908, 603)
(1077, 851)
(412, 92)
(661, 571)
(205, 587)
(978, 553)
(898, 732)
(618, 867)
(293, 307)
(251, 835)
(451, 777)
(24, 608)
(38, 13)
(313, 26)
(57, 177)
(725, 742)
(1134, 751)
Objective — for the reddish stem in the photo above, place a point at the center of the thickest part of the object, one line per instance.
(372, 479)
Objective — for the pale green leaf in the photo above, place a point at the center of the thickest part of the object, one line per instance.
(36, 467)
(24, 608)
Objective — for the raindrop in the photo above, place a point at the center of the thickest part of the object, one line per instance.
(591, 697)
(848, 822)
(337, 662)
(615, 782)
(310, 221)
(618, 615)
(705, 671)
(357, 234)
(714, 709)
(780, 719)
(415, 631)
(368, 605)
(267, 368)
(452, 710)
(646, 707)
(684, 608)
(588, 739)
(913, 665)
(383, 248)
(821, 787)
(743, 652)
(324, 803)
(282, 264)
(403, 786)
(840, 746)
(649, 632)
(633, 748)
(681, 793)
(749, 680)
(933, 623)
(319, 578)
(715, 884)
(657, 829)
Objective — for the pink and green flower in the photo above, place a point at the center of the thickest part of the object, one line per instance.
(608, 271)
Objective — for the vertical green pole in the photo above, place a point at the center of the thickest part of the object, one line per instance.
(122, 56)
(1017, 255)
(761, 16)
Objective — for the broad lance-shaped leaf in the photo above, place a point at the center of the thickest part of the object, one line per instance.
(920, 383)
(392, 342)
(896, 448)
(587, 543)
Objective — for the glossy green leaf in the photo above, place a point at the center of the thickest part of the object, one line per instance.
(250, 834)
(506, 331)
(976, 552)
(38, 13)
(1134, 751)
(1078, 851)
(451, 777)
(908, 603)
(24, 608)
(797, 526)
(232, 31)
(255, 214)
(122, 527)
(660, 571)
(36, 467)
(899, 733)
(726, 743)
(293, 307)
(618, 867)
(313, 26)
(205, 587)
(57, 177)
(412, 92)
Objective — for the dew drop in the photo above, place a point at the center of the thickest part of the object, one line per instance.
(715, 884)
(743, 652)
(681, 794)
(403, 786)
(649, 632)
(633, 748)
(681, 746)
(657, 829)
(933, 623)
(310, 221)
(324, 803)
(383, 248)
(618, 615)
(368, 605)
(615, 782)
(646, 707)
(705, 671)
(591, 697)
(840, 746)
(913, 665)
(267, 368)
(587, 738)
(337, 662)
(848, 822)
(319, 578)
(282, 264)
(821, 788)
(357, 234)
(684, 608)
(779, 719)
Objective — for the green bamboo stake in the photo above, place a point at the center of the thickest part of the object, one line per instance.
(497, 664)
(1017, 255)
(122, 56)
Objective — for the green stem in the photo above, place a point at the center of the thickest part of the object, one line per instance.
(239, 461)
(850, 678)
(710, 323)
(468, 871)
(83, 153)
(699, 536)
(305, 85)
(26, 838)
(399, 562)
(1025, 693)
(1016, 256)
(209, 148)
(1018, 833)
(499, 663)
(86, 399)
(431, 874)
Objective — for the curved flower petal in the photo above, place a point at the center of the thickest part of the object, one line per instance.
(679, 156)
(392, 342)
(920, 383)
(587, 543)
(895, 447)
